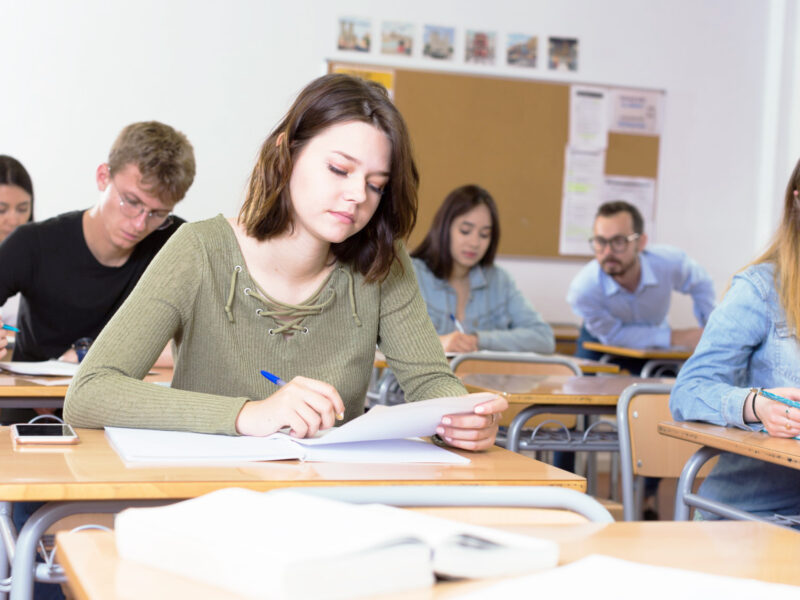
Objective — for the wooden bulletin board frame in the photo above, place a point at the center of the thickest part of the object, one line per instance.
(506, 135)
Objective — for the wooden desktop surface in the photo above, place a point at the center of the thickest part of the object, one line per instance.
(556, 389)
(586, 365)
(92, 470)
(733, 548)
(675, 353)
(755, 444)
(28, 387)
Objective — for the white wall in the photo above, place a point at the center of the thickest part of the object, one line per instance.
(74, 73)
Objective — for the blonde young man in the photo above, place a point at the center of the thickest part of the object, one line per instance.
(74, 270)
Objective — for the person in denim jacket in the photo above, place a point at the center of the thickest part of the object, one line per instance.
(464, 290)
(750, 342)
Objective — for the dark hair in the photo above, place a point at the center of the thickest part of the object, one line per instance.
(327, 101)
(13, 173)
(164, 157)
(609, 209)
(435, 248)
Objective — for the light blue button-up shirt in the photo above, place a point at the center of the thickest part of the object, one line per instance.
(496, 311)
(745, 344)
(638, 319)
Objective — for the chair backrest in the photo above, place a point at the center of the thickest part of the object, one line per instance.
(517, 363)
(523, 496)
(643, 451)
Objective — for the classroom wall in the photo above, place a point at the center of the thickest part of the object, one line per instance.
(74, 73)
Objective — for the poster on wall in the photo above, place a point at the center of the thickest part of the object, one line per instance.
(636, 111)
(639, 191)
(582, 193)
(588, 118)
(522, 50)
(383, 76)
(397, 38)
(480, 47)
(354, 34)
(438, 42)
(563, 54)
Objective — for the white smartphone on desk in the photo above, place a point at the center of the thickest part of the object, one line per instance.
(43, 433)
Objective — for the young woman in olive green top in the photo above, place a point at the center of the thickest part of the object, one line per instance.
(304, 283)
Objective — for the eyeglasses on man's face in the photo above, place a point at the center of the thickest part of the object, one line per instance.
(618, 243)
(132, 208)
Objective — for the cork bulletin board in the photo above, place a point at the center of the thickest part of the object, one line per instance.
(508, 136)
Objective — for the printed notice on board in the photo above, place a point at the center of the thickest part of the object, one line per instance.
(583, 188)
(636, 111)
(639, 191)
(588, 118)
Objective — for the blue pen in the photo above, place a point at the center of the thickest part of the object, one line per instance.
(457, 323)
(273, 378)
(781, 399)
(11, 328)
(280, 382)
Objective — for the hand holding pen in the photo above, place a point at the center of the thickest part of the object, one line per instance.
(4, 337)
(458, 340)
(778, 409)
(304, 405)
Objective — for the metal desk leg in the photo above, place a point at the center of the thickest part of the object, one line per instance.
(686, 480)
(7, 545)
(24, 567)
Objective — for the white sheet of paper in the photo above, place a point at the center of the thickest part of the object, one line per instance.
(607, 578)
(58, 368)
(375, 437)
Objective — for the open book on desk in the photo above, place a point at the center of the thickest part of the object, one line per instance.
(378, 436)
(59, 368)
(289, 545)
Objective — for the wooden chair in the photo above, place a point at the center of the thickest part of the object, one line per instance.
(643, 451)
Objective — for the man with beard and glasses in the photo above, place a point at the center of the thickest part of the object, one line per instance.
(623, 296)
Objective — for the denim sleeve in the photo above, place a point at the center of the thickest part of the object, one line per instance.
(589, 304)
(695, 281)
(527, 331)
(713, 384)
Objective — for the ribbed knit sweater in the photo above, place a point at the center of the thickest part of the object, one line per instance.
(198, 292)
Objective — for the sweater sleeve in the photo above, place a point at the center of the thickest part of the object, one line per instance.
(408, 340)
(108, 389)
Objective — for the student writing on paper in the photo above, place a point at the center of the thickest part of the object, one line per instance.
(623, 296)
(74, 270)
(750, 342)
(463, 287)
(303, 283)
(16, 208)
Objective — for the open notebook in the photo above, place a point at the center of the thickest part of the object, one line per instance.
(289, 545)
(378, 436)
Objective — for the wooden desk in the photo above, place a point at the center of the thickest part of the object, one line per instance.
(558, 394)
(23, 391)
(736, 549)
(715, 439)
(92, 472)
(566, 335)
(654, 357)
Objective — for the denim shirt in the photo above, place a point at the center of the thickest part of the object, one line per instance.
(745, 344)
(496, 311)
(638, 319)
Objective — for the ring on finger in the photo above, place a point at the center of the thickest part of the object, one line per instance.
(787, 412)
(788, 424)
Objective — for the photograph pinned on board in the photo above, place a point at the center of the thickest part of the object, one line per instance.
(563, 54)
(438, 42)
(397, 38)
(522, 50)
(354, 34)
(480, 47)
